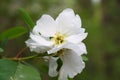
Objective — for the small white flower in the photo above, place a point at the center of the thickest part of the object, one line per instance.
(62, 38)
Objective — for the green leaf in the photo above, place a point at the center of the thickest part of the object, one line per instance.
(1, 50)
(84, 58)
(11, 70)
(3, 43)
(27, 18)
(13, 33)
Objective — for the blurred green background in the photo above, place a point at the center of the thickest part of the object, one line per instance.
(101, 18)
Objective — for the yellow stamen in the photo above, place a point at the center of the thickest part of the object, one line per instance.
(59, 39)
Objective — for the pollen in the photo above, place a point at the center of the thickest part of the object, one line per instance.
(59, 38)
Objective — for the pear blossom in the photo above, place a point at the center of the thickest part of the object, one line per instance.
(62, 39)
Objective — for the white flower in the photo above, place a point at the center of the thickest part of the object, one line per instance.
(62, 38)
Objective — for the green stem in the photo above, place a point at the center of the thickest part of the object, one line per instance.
(29, 57)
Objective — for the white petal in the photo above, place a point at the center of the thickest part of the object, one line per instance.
(82, 48)
(40, 40)
(55, 49)
(76, 38)
(68, 22)
(53, 66)
(36, 47)
(38, 44)
(78, 49)
(82, 30)
(78, 21)
(46, 26)
(72, 65)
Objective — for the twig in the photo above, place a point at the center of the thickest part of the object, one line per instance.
(20, 52)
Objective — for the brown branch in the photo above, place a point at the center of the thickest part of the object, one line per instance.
(20, 52)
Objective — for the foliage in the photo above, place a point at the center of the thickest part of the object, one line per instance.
(17, 71)
(27, 18)
(13, 33)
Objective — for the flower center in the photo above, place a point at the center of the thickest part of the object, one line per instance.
(59, 39)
